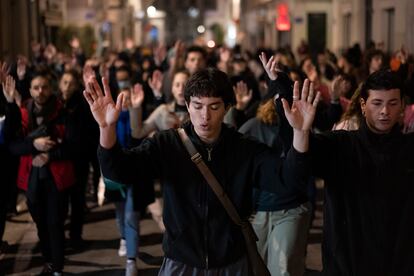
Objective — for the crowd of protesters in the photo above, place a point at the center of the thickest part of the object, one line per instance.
(49, 140)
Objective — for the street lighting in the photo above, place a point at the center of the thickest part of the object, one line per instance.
(201, 29)
(151, 11)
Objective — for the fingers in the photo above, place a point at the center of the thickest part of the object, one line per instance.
(119, 101)
(92, 92)
(316, 100)
(286, 107)
(107, 90)
(97, 88)
(125, 101)
(305, 89)
(273, 64)
(296, 91)
(263, 59)
(88, 97)
(311, 93)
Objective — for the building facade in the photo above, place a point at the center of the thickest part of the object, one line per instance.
(334, 24)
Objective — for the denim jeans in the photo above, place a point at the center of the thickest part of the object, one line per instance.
(128, 223)
(282, 239)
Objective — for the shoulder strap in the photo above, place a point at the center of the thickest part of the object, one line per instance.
(210, 178)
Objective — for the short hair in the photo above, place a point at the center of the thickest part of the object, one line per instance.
(196, 49)
(182, 71)
(75, 75)
(123, 68)
(41, 74)
(383, 79)
(373, 53)
(210, 82)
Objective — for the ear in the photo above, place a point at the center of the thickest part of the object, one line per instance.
(363, 106)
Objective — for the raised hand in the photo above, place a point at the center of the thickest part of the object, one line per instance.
(338, 88)
(402, 55)
(88, 74)
(302, 113)
(269, 65)
(21, 67)
(160, 53)
(103, 108)
(137, 96)
(243, 95)
(9, 89)
(44, 143)
(155, 82)
(4, 71)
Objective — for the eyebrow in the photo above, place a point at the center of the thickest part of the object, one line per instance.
(381, 100)
(213, 103)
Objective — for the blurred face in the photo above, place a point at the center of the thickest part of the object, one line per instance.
(239, 67)
(194, 62)
(308, 67)
(40, 90)
(345, 87)
(206, 114)
(67, 86)
(376, 63)
(178, 87)
(122, 79)
(382, 109)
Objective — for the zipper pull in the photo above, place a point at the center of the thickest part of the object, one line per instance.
(209, 153)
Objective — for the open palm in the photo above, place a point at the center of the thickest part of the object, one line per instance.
(302, 112)
(103, 108)
(137, 96)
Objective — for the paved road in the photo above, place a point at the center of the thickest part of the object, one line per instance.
(100, 254)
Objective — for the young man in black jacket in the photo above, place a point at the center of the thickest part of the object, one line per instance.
(369, 176)
(200, 237)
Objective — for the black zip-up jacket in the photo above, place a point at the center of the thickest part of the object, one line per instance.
(369, 207)
(199, 232)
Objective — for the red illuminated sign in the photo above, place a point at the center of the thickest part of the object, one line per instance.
(282, 20)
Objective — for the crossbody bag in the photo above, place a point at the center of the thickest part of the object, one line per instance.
(257, 265)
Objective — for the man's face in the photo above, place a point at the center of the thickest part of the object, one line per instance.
(194, 62)
(67, 86)
(40, 90)
(382, 109)
(178, 87)
(206, 114)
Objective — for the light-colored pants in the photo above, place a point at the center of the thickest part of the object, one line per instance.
(282, 239)
(170, 267)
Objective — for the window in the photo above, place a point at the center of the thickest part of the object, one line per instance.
(389, 29)
(347, 30)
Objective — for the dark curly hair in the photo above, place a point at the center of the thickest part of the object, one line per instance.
(210, 82)
(383, 79)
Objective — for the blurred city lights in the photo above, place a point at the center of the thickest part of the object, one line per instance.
(211, 44)
(201, 29)
(151, 11)
(193, 12)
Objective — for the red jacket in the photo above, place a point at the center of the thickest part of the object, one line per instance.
(62, 170)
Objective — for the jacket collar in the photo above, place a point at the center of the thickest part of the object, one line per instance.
(189, 129)
(379, 140)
